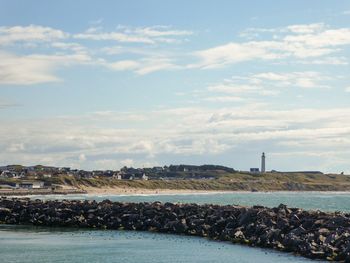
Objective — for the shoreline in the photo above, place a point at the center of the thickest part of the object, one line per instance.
(143, 191)
(28, 192)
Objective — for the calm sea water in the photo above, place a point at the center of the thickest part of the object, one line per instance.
(40, 245)
(30, 244)
(326, 201)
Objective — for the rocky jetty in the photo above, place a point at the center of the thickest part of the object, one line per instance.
(313, 234)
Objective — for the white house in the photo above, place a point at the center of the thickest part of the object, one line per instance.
(117, 176)
(31, 184)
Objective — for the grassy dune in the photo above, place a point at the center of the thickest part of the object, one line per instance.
(226, 181)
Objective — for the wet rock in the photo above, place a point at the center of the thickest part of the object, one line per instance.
(5, 211)
(323, 231)
(298, 231)
(247, 216)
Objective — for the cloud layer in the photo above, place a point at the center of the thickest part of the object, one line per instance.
(91, 141)
(295, 41)
(223, 117)
(48, 49)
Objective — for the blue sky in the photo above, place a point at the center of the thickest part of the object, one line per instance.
(103, 84)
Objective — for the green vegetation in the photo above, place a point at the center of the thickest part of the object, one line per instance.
(221, 181)
(225, 181)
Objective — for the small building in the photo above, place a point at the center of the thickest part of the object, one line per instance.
(158, 169)
(85, 174)
(254, 170)
(128, 176)
(97, 173)
(56, 187)
(31, 184)
(64, 169)
(117, 175)
(144, 177)
(11, 174)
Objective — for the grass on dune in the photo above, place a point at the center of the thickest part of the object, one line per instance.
(225, 181)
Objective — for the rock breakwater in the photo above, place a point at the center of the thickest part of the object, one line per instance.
(312, 234)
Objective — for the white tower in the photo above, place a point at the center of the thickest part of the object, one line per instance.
(263, 163)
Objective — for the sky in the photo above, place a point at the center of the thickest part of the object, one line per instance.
(104, 84)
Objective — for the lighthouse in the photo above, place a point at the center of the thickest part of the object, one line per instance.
(263, 163)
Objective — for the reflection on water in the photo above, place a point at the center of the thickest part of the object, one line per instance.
(28, 244)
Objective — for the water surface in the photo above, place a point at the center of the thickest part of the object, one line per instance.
(326, 201)
(29, 244)
(42, 245)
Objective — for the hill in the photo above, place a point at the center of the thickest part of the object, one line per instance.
(225, 182)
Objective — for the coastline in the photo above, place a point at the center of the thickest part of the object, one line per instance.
(144, 191)
(110, 191)
(129, 191)
(28, 192)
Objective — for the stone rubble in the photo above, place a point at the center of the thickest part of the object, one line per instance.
(312, 234)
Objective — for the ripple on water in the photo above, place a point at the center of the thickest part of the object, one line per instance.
(28, 244)
(21, 244)
(326, 201)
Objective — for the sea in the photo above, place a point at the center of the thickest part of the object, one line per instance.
(40, 244)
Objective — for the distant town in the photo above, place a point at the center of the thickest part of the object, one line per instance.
(51, 178)
(30, 176)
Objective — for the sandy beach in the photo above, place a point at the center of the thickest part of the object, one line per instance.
(140, 191)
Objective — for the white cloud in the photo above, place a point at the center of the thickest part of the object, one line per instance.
(150, 65)
(295, 29)
(266, 84)
(9, 35)
(16, 148)
(307, 44)
(326, 38)
(295, 41)
(124, 65)
(115, 50)
(25, 70)
(127, 162)
(178, 132)
(326, 61)
(160, 31)
(76, 47)
(307, 29)
(82, 157)
(224, 99)
(143, 66)
(347, 89)
(34, 69)
(147, 35)
(120, 37)
(38, 67)
(306, 79)
(231, 87)
(233, 53)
